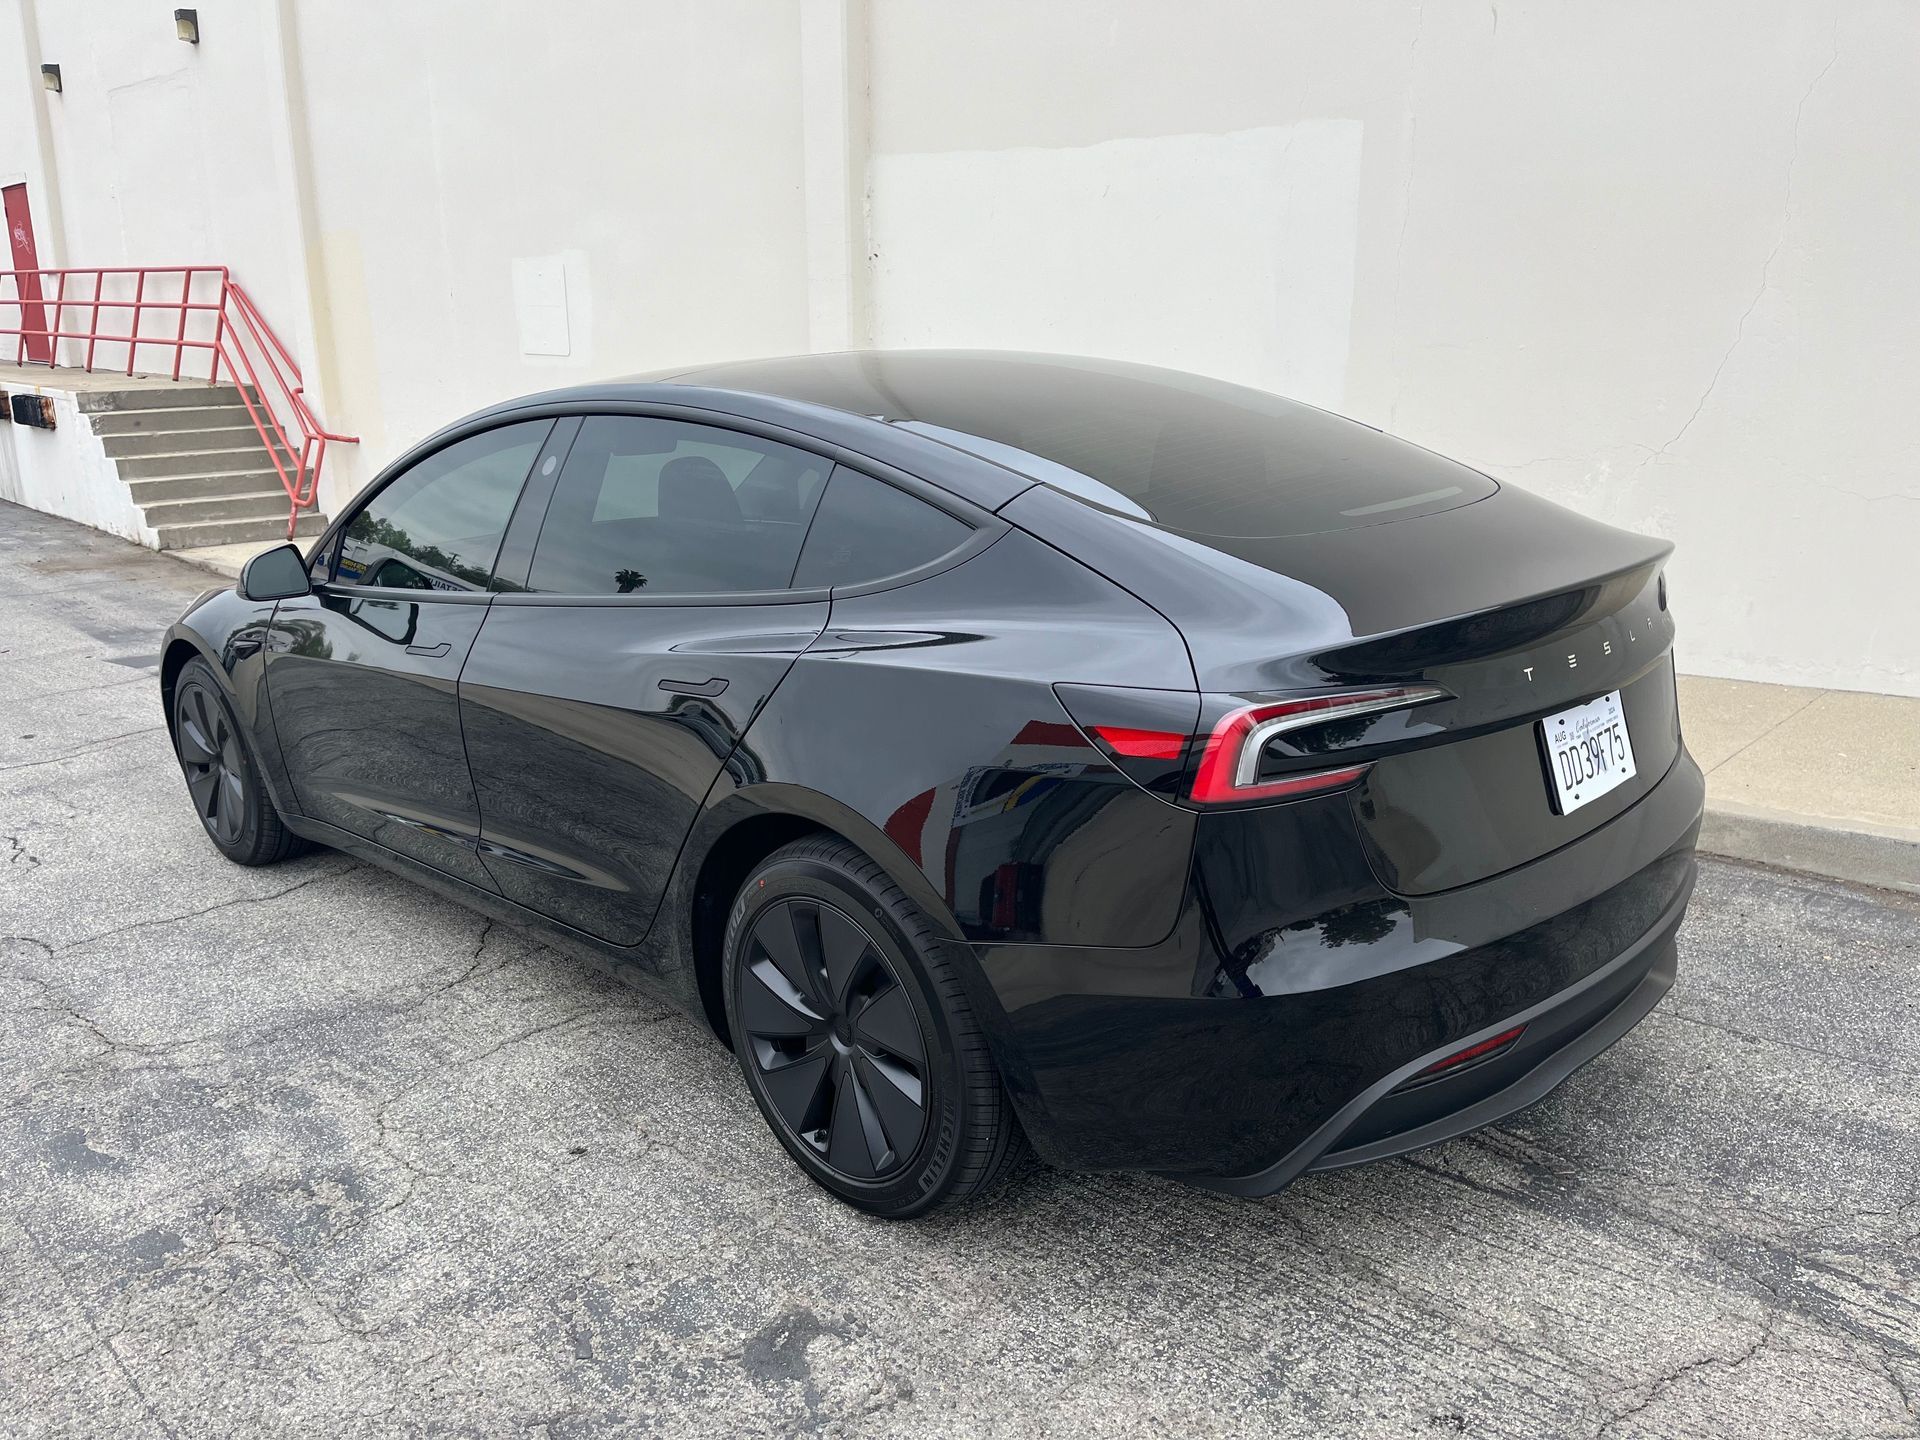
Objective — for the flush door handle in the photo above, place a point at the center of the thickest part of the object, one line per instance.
(432, 652)
(708, 688)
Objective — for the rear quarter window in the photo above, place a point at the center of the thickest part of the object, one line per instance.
(867, 530)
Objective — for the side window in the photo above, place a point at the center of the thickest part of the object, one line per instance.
(662, 507)
(438, 526)
(867, 530)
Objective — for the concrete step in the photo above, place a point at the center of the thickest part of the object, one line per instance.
(229, 437)
(192, 462)
(169, 417)
(195, 487)
(216, 507)
(264, 528)
(158, 397)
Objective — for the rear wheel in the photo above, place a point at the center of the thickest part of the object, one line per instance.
(856, 1037)
(222, 780)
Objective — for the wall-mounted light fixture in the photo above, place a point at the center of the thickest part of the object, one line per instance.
(50, 78)
(186, 24)
(34, 410)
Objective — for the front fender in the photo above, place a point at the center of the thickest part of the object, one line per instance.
(232, 635)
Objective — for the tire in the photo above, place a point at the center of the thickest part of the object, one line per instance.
(222, 780)
(841, 1004)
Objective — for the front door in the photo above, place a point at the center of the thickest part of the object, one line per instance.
(26, 288)
(616, 675)
(362, 674)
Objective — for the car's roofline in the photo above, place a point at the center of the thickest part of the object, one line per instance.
(970, 477)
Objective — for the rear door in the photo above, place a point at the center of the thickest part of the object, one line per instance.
(361, 673)
(636, 630)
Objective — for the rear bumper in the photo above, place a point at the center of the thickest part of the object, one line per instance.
(1269, 1032)
(1563, 1033)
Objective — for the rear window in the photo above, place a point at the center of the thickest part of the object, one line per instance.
(1191, 454)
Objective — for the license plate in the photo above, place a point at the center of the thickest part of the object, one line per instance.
(1588, 752)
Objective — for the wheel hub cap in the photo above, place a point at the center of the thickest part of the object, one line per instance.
(836, 1044)
(210, 755)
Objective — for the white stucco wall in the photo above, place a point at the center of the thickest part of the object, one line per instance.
(1230, 253)
(1653, 261)
(160, 152)
(65, 471)
(1649, 260)
(404, 189)
(649, 154)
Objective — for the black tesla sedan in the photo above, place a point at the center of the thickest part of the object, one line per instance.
(996, 750)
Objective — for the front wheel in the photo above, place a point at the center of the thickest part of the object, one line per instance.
(856, 1037)
(222, 780)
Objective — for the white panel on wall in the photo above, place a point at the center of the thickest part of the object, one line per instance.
(553, 308)
(1228, 254)
(540, 304)
(161, 192)
(157, 174)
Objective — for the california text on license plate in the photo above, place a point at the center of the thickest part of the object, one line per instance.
(1588, 752)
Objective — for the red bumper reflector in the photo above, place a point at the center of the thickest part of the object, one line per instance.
(1142, 744)
(1473, 1052)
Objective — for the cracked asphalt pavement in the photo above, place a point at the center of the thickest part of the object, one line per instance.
(310, 1151)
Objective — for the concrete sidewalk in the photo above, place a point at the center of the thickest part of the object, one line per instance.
(1824, 781)
(222, 559)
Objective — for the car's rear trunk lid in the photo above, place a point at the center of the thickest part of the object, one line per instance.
(1517, 609)
(1483, 801)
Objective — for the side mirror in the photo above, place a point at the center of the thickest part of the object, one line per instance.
(276, 574)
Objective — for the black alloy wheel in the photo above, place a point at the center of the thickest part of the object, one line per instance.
(839, 1050)
(857, 1038)
(225, 789)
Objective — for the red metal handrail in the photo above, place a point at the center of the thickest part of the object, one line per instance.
(239, 334)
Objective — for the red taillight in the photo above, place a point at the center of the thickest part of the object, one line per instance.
(1230, 765)
(1292, 787)
(1142, 744)
(1472, 1052)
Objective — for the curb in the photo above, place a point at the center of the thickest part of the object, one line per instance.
(200, 562)
(1860, 854)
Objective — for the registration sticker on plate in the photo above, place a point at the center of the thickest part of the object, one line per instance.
(1588, 752)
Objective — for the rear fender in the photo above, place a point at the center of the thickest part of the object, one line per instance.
(671, 952)
(930, 712)
(730, 805)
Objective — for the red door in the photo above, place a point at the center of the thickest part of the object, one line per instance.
(34, 344)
